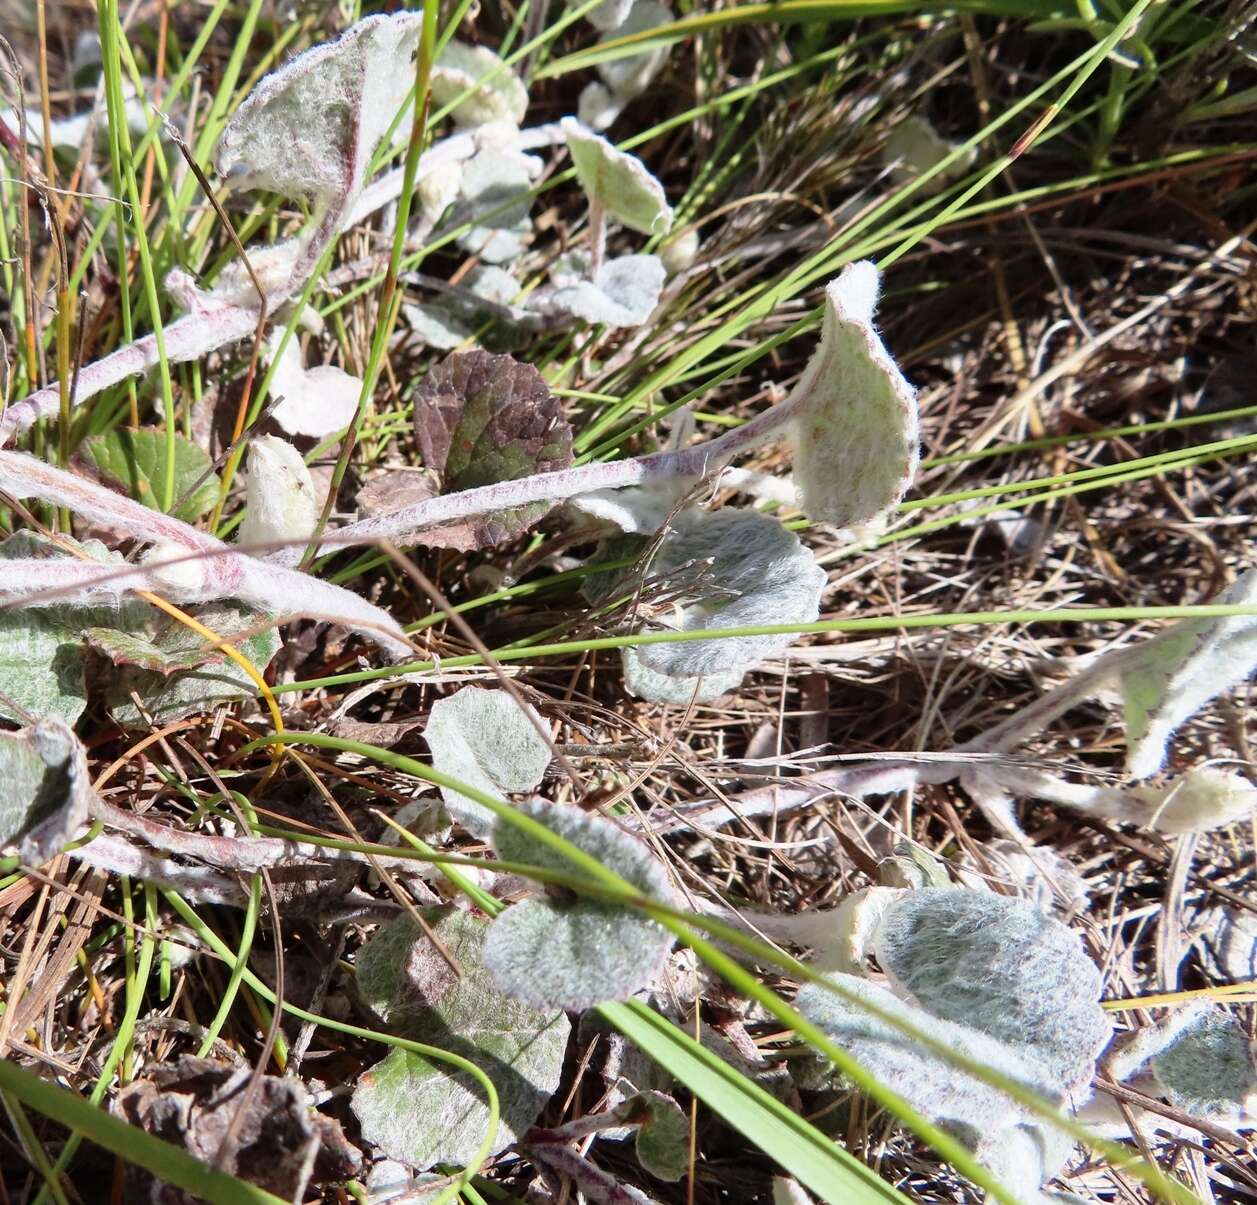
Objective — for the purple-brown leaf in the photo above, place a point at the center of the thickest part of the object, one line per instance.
(481, 419)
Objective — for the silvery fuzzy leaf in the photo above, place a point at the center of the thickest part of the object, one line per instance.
(310, 128)
(630, 76)
(625, 292)
(569, 268)
(637, 509)
(597, 108)
(555, 953)
(496, 92)
(750, 571)
(273, 265)
(481, 419)
(423, 1113)
(930, 1084)
(610, 14)
(1025, 1157)
(1208, 1070)
(854, 421)
(646, 683)
(454, 319)
(485, 739)
(997, 964)
(496, 246)
(47, 789)
(280, 499)
(495, 184)
(1167, 679)
(42, 654)
(617, 181)
(315, 401)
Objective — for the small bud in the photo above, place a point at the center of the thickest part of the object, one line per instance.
(280, 498)
(1202, 799)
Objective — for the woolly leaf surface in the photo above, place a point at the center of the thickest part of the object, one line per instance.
(310, 128)
(421, 1112)
(932, 1086)
(999, 965)
(135, 462)
(46, 789)
(42, 654)
(279, 497)
(748, 570)
(654, 687)
(485, 739)
(624, 292)
(574, 954)
(617, 181)
(1208, 1070)
(854, 423)
(496, 93)
(1167, 679)
(481, 419)
(630, 76)
(1204, 798)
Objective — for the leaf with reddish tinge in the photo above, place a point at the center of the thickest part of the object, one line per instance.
(481, 419)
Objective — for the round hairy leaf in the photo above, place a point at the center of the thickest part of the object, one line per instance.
(1208, 1070)
(422, 1112)
(618, 182)
(747, 570)
(624, 292)
(631, 75)
(311, 128)
(135, 462)
(313, 401)
(496, 92)
(999, 965)
(933, 1086)
(480, 419)
(561, 953)
(487, 740)
(854, 421)
(663, 1139)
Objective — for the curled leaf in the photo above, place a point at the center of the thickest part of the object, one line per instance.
(313, 401)
(482, 419)
(1167, 679)
(1202, 799)
(853, 415)
(617, 181)
(574, 954)
(279, 498)
(310, 128)
(47, 789)
(493, 91)
(423, 1112)
(485, 739)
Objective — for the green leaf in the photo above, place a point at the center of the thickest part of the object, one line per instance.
(577, 953)
(480, 419)
(42, 656)
(663, 1140)
(46, 789)
(172, 693)
(487, 740)
(135, 462)
(415, 1110)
